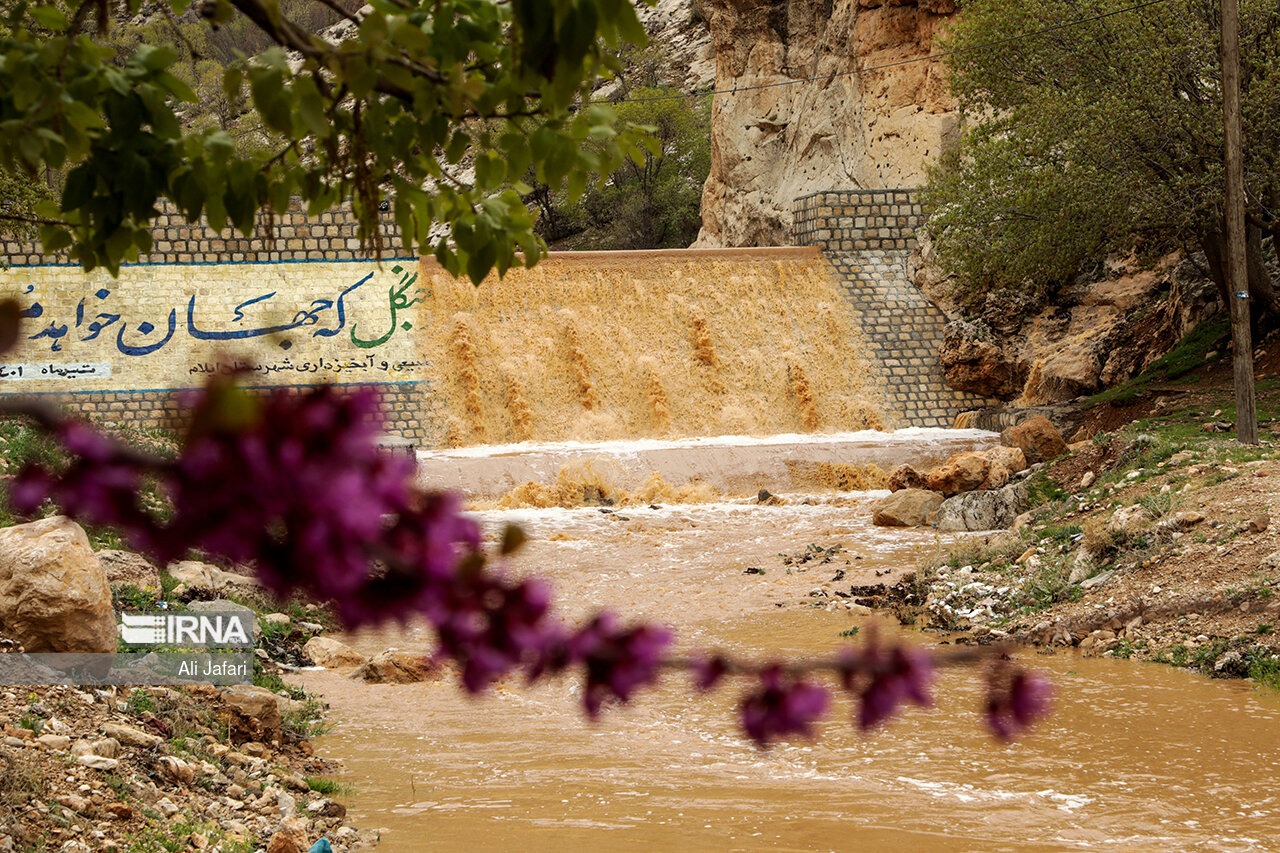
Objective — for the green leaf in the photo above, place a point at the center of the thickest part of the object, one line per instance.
(49, 17)
(153, 58)
(458, 146)
(54, 238)
(311, 107)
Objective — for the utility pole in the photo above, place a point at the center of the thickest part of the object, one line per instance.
(1237, 275)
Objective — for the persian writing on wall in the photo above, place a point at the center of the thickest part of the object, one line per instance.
(171, 326)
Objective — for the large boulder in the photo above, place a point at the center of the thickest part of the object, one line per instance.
(986, 510)
(1072, 371)
(963, 472)
(1005, 462)
(253, 714)
(1011, 458)
(193, 573)
(395, 666)
(906, 508)
(1037, 438)
(332, 654)
(973, 361)
(54, 595)
(127, 568)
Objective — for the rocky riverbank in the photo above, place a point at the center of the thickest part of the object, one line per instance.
(1153, 539)
(162, 769)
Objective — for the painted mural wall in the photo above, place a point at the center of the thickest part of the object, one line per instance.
(308, 306)
(170, 326)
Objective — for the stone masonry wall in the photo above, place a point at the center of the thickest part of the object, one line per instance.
(292, 236)
(867, 237)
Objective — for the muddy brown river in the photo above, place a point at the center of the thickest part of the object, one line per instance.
(1135, 758)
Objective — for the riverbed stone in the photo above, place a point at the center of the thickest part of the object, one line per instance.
(332, 654)
(54, 595)
(1127, 519)
(987, 510)
(97, 762)
(905, 477)
(283, 843)
(906, 508)
(254, 714)
(963, 472)
(396, 666)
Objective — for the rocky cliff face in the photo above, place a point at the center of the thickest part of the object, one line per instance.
(843, 130)
(1095, 333)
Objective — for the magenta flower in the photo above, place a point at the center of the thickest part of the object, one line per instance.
(617, 660)
(1016, 700)
(781, 706)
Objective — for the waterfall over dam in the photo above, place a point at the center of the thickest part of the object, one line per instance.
(587, 346)
(593, 346)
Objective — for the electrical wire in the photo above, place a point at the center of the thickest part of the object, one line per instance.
(932, 56)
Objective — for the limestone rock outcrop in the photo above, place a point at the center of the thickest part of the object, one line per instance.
(867, 130)
(972, 360)
(54, 595)
(1088, 335)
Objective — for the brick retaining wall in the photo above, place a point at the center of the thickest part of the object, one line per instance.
(867, 236)
(856, 220)
(408, 408)
(294, 236)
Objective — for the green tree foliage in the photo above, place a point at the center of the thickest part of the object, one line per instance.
(391, 112)
(19, 195)
(649, 203)
(1105, 135)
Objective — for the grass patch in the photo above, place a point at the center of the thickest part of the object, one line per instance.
(161, 837)
(306, 722)
(328, 787)
(1265, 671)
(19, 781)
(21, 444)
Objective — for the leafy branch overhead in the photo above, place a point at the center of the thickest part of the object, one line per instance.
(393, 111)
(1103, 135)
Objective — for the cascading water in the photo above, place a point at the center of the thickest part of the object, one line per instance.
(625, 345)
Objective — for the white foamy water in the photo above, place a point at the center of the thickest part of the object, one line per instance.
(732, 464)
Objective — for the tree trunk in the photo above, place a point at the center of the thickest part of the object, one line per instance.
(1261, 289)
(1215, 252)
